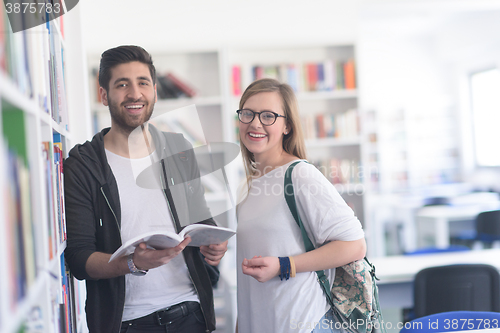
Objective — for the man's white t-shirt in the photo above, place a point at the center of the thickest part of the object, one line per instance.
(144, 210)
(267, 228)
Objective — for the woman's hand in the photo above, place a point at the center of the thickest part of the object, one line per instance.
(261, 269)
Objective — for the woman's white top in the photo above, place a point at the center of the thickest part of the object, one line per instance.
(267, 228)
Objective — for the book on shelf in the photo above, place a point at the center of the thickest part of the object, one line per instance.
(325, 125)
(311, 77)
(15, 239)
(64, 297)
(201, 234)
(320, 126)
(36, 56)
(320, 77)
(28, 232)
(236, 80)
(329, 125)
(182, 85)
(339, 71)
(57, 81)
(46, 65)
(258, 72)
(47, 154)
(328, 75)
(22, 243)
(70, 297)
(292, 77)
(61, 23)
(283, 72)
(59, 186)
(349, 75)
(170, 86)
(167, 89)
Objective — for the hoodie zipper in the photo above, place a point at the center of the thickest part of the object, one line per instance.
(117, 225)
(172, 215)
(112, 211)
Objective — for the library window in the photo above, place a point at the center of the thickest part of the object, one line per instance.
(485, 92)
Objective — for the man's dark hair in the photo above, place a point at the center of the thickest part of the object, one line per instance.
(122, 55)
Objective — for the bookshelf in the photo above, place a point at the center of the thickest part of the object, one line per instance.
(37, 293)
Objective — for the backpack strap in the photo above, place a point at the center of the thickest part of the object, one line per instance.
(292, 205)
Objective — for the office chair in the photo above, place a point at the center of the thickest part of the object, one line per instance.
(467, 287)
(409, 313)
(488, 226)
(486, 231)
(453, 321)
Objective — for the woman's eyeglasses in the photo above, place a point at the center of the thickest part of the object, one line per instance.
(267, 118)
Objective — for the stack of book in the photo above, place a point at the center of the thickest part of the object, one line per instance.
(170, 86)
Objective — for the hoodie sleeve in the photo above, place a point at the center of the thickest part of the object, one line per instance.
(80, 218)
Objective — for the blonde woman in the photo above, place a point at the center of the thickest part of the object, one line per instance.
(268, 236)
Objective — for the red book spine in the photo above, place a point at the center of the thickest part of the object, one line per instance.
(320, 126)
(349, 75)
(236, 80)
(312, 76)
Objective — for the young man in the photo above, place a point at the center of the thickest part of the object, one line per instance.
(149, 290)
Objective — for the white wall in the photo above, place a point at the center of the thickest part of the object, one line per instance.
(195, 24)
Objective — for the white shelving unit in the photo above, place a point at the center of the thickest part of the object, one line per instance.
(33, 295)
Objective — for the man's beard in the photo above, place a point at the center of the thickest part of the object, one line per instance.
(126, 122)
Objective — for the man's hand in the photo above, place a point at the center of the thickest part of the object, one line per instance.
(146, 258)
(261, 269)
(214, 252)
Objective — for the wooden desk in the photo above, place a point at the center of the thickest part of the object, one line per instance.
(396, 273)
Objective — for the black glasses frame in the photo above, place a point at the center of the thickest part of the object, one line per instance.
(259, 113)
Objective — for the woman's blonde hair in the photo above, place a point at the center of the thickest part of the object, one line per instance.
(293, 142)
